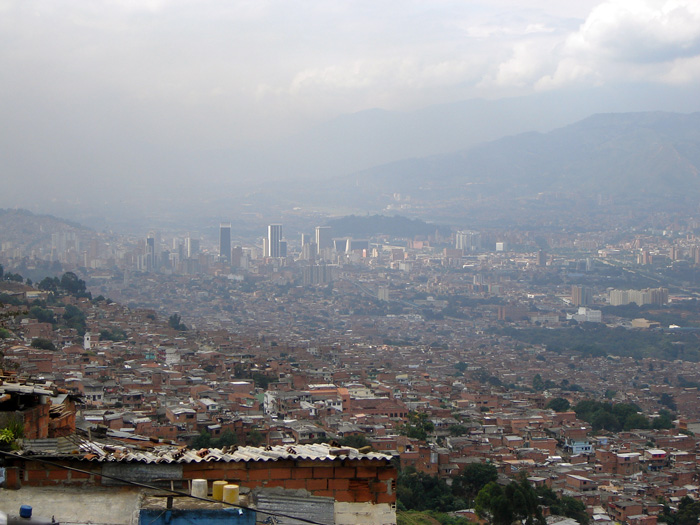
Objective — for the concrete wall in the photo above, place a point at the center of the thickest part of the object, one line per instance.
(364, 514)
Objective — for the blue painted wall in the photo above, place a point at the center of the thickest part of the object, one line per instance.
(230, 516)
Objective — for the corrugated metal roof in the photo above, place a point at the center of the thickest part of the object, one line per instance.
(273, 503)
(94, 451)
(25, 389)
(60, 445)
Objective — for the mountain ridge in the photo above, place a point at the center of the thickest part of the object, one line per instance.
(599, 153)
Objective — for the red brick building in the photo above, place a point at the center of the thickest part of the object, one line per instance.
(362, 483)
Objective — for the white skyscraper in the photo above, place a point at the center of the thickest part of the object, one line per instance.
(324, 239)
(274, 240)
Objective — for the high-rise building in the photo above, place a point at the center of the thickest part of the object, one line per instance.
(581, 296)
(641, 297)
(324, 239)
(308, 251)
(225, 242)
(236, 256)
(318, 274)
(469, 241)
(150, 253)
(191, 246)
(541, 258)
(274, 239)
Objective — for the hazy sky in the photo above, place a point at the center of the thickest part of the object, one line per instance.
(202, 74)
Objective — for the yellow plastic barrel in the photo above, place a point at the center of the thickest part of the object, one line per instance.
(231, 494)
(217, 491)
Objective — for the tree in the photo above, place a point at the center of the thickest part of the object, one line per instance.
(49, 284)
(603, 419)
(458, 430)
(419, 491)
(559, 404)
(538, 383)
(492, 504)
(72, 284)
(262, 380)
(115, 334)
(635, 421)
(564, 506)
(354, 441)
(667, 400)
(664, 421)
(73, 317)
(473, 478)
(571, 508)
(42, 343)
(226, 439)
(688, 512)
(254, 438)
(203, 440)
(418, 426)
(176, 323)
(517, 501)
(43, 315)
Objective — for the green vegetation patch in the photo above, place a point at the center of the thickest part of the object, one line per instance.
(599, 340)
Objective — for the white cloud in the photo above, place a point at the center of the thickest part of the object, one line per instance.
(526, 64)
(315, 58)
(640, 40)
(641, 31)
(683, 71)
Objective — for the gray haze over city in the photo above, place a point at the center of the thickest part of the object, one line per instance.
(130, 107)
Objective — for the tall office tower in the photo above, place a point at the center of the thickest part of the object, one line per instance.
(581, 295)
(192, 246)
(308, 251)
(237, 257)
(225, 242)
(541, 258)
(274, 238)
(324, 239)
(468, 241)
(318, 274)
(150, 253)
(306, 239)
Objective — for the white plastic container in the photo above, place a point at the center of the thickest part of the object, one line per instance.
(199, 488)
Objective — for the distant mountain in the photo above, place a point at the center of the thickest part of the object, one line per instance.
(22, 228)
(646, 157)
(357, 141)
(128, 183)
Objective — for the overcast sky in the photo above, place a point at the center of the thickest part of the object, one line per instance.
(212, 74)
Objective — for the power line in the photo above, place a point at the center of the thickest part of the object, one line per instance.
(153, 487)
